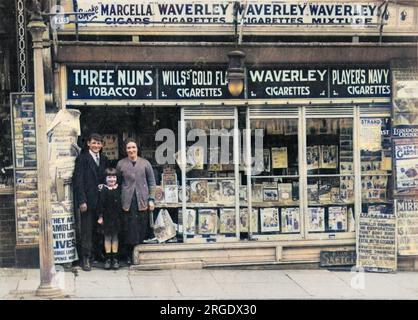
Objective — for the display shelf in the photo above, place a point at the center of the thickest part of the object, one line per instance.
(210, 178)
(377, 201)
(272, 177)
(330, 175)
(275, 204)
(330, 203)
(6, 190)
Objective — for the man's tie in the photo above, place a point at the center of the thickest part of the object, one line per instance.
(97, 160)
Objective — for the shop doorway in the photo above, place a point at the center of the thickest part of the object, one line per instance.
(116, 124)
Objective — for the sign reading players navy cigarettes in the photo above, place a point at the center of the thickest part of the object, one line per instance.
(287, 83)
(111, 83)
(193, 83)
(359, 82)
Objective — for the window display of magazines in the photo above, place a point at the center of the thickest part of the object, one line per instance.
(25, 173)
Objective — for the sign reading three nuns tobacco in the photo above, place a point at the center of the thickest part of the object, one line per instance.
(124, 83)
(192, 83)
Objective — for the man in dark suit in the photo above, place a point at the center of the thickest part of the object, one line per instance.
(89, 172)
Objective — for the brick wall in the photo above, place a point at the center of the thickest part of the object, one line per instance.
(7, 231)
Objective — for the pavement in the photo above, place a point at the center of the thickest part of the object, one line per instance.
(213, 284)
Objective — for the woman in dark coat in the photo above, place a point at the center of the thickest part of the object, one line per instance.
(138, 192)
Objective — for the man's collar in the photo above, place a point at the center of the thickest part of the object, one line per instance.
(94, 155)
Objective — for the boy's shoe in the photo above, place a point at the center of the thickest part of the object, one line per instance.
(107, 264)
(86, 264)
(115, 264)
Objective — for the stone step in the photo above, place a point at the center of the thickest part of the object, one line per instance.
(191, 256)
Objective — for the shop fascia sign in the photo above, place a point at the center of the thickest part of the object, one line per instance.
(192, 83)
(133, 13)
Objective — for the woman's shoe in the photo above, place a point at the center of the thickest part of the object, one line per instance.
(107, 264)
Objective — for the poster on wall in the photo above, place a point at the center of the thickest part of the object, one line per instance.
(27, 210)
(406, 165)
(23, 111)
(370, 134)
(377, 242)
(63, 228)
(63, 130)
(279, 158)
(407, 226)
(25, 174)
(405, 109)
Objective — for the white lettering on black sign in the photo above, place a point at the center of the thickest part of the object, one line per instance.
(360, 82)
(193, 84)
(98, 83)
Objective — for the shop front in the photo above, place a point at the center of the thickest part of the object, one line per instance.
(295, 164)
(317, 138)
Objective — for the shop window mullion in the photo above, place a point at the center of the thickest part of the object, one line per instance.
(183, 170)
(357, 172)
(303, 182)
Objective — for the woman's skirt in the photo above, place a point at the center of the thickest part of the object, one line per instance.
(136, 224)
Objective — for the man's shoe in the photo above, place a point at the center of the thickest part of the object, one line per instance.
(86, 264)
(107, 264)
(115, 264)
(128, 260)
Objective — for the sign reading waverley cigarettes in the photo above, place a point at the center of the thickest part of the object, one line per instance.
(287, 83)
